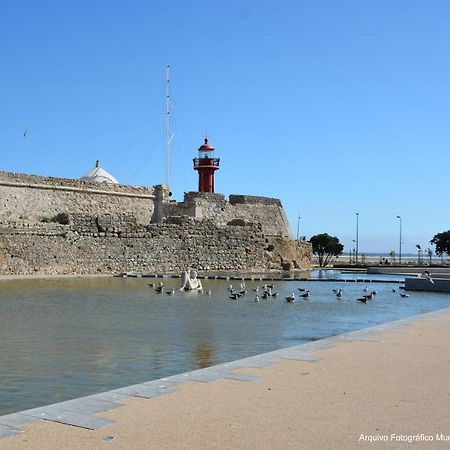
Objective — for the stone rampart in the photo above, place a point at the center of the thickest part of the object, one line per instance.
(55, 225)
(49, 248)
(268, 212)
(36, 198)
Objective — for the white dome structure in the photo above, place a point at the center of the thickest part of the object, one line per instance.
(99, 175)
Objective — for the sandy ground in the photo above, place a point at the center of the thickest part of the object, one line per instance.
(394, 382)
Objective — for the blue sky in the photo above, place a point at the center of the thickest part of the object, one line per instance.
(335, 107)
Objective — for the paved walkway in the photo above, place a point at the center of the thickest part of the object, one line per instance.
(389, 384)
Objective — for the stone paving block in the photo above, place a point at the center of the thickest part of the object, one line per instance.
(145, 391)
(6, 431)
(109, 396)
(86, 405)
(206, 376)
(263, 360)
(73, 418)
(16, 420)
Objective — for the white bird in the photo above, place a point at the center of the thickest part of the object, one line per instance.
(291, 298)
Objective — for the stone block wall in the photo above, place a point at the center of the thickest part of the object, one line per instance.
(36, 198)
(266, 211)
(288, 254)
(49, 248)
(63, 226)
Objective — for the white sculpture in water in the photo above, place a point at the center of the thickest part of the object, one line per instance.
(189, 281)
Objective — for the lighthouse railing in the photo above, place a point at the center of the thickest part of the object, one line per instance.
(206, 162)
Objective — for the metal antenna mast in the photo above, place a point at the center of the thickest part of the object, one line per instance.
(168, 136)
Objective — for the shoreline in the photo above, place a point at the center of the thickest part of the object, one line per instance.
(243, 277)
(358, 383)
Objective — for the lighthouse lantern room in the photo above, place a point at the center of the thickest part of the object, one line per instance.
(206, 164)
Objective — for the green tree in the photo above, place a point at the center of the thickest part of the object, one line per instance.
(442, 243)
(325, 247)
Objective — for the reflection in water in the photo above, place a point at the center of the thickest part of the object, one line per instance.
(204, 355)
(62, 339)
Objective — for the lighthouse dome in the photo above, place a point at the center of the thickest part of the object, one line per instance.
(206, 147)
(99, 175)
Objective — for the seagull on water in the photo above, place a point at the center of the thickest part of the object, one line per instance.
(290, 299)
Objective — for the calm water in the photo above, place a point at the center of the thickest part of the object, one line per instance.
(61, 339)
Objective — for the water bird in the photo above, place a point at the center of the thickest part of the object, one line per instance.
(362, 300)
(306, 294)
(160, 287)
(273, 294)
(404, 294)
(172, 291)
(235, 295)
(151, 284)
(394, 290)
(374, 292)
(256, 298)
(290, 299)
(301, 289)
(265, 295)
(256, 289)
(209, 292)
(339, 293)
(230, 288)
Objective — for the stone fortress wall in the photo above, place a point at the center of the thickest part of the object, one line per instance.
(55, 225)
(36, 198)
(268, 212)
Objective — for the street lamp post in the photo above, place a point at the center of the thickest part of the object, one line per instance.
(400, 242)
(298, 225)
(357, 236)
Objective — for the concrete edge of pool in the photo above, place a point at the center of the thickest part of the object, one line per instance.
(81, 412)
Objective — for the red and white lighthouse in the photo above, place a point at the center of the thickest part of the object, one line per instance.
(206, 164)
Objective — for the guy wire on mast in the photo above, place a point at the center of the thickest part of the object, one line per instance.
(168, 137)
